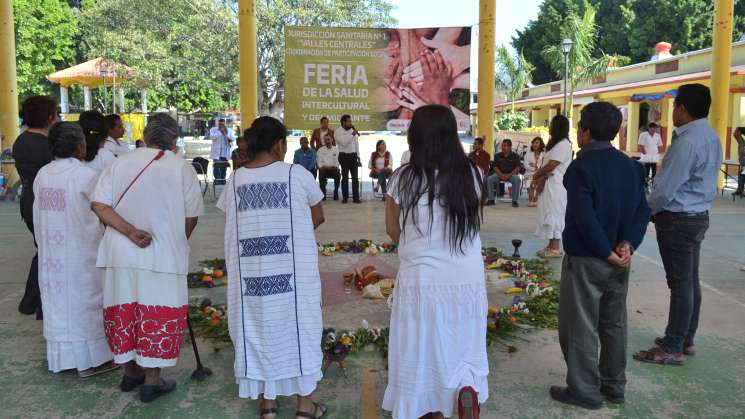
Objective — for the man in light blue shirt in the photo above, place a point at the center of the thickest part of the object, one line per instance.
(306, 157)
(680, 202)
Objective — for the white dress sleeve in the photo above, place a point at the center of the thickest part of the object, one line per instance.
(104, 190)
(393, 191)
(309, 187)
(193, 202)
(226, 197)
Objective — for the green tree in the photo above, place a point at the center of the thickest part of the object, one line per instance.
(625, 27)
(513, 74)
(546, 30)
(44, 32)
(185, 51)
(274, 15)
(511, 121)
(583, 64)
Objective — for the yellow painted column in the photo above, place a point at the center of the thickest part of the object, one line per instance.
(487, 26)
(535, 118)
(8, 84)
(721, 59)
(248, 62)
(667, 119)
(737, 119)
(632, 127)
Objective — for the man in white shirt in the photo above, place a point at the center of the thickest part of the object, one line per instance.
(328, 166)
(222, 140)
(115, 129)
(650, 145)
(346, 137)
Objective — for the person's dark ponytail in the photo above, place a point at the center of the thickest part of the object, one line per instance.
(264, 133)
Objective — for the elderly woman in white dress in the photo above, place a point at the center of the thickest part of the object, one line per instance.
(437, 354)
(549, 182)
(274, 293)
(150, 200)
(68, 233)
(533, 161)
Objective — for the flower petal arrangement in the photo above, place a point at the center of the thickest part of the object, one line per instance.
(535, 303)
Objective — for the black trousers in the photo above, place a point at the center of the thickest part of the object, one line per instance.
(31, 301)
(679, 236)
(348, 162)
(651, 168)
(324, 175)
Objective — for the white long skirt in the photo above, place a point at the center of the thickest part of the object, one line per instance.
(437, 344)
(552, 205)
(296, 386)
(144, 316)
(79, 355)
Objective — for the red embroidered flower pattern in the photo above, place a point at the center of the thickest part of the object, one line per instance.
(150, 331)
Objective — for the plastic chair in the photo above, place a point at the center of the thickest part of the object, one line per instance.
(201, 175)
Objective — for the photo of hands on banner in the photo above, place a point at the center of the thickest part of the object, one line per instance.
(423, 67)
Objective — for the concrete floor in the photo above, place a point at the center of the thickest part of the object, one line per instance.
(712, 384)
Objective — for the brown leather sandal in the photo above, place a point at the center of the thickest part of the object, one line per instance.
(313, 415)
(687, 350)
(268, 411)
(658, 356)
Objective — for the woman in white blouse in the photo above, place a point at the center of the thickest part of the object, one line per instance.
(381, 166)
(533, 160)
(94, 127)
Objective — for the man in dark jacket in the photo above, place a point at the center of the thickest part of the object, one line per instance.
(606, 219)
(31, 152)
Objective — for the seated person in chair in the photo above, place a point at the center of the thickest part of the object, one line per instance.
(328, 166)
(507, 167)
(381, 166)
(240, 155)
(306, 157)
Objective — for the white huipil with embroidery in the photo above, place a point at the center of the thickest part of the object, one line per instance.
(67, 233)
(274, 287)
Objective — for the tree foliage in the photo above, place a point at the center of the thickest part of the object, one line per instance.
(546, 30)
(513, 73)
(185, 51)
(44, 32)
(628, 28)
(511, 121)
(583, 63)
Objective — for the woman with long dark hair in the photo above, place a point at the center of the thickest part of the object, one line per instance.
(381, 166)
(94, 127)
(274, 294)
(434, 204)
(533, 160)
(549, 182)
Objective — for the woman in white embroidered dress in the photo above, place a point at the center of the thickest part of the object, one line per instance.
(150, 200)
(274, 292)
(68, 233)
(533, 161)
(549, 182)
(437, 353)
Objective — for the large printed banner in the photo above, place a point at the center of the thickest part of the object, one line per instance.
(378, 76)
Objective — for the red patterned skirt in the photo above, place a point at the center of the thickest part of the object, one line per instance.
(144, 316)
